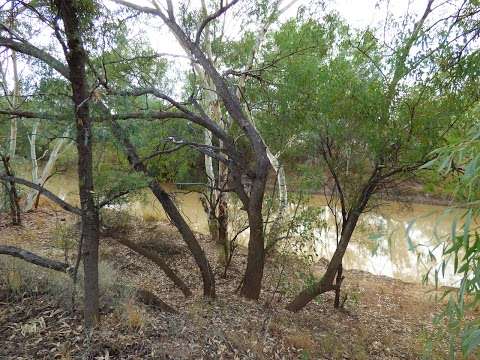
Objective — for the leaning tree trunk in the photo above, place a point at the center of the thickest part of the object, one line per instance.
(170, 209)
(327, 281)
(77, 59)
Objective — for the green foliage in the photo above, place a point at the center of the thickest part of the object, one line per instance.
(334, 89)
(463, 250)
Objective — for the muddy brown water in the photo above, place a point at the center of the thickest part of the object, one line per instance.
(380, 243)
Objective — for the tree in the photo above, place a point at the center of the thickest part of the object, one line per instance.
(459, 159)
(75, 20)
(248, 181)
(365, 114)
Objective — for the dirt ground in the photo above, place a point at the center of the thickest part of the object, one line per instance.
(383, 318)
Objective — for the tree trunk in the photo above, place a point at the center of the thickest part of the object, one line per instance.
(170, 209)
(223, 240)
(338, 286)
(210, 207)
(32, 139)
(12, 192)
(76, 59)
(160, 262)
(252, 281)
(16, 93)
(187, 234)
(326, 282)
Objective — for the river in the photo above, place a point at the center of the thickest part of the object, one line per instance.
(379, 244)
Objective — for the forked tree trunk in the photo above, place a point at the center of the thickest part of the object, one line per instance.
(326, 283)
(170, 209)
(76, 59)
(253, 276)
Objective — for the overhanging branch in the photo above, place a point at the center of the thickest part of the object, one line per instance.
(28, 49)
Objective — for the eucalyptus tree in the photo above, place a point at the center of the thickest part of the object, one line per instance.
(249, 166)
(369, 117)
(75, 19)
(80, 43)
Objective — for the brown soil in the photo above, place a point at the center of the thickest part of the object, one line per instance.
(383, 318)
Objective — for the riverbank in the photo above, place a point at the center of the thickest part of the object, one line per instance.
(383, 318)
(411, 192)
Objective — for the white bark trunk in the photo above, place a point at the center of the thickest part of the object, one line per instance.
(47, 169)
(32, 139)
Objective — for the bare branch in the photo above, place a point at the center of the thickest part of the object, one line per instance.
(33, 258)
(64, 205)
(212, 17)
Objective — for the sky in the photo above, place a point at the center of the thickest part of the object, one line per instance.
(357, 13)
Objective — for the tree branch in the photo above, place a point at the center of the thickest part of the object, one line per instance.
(28, 49)
(64, 205)
(212, 17)
(33, 258)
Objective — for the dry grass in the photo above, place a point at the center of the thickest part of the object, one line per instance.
(383, 319)
(25, 278)
(149, 216)
(300, 339)
(133, 315)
